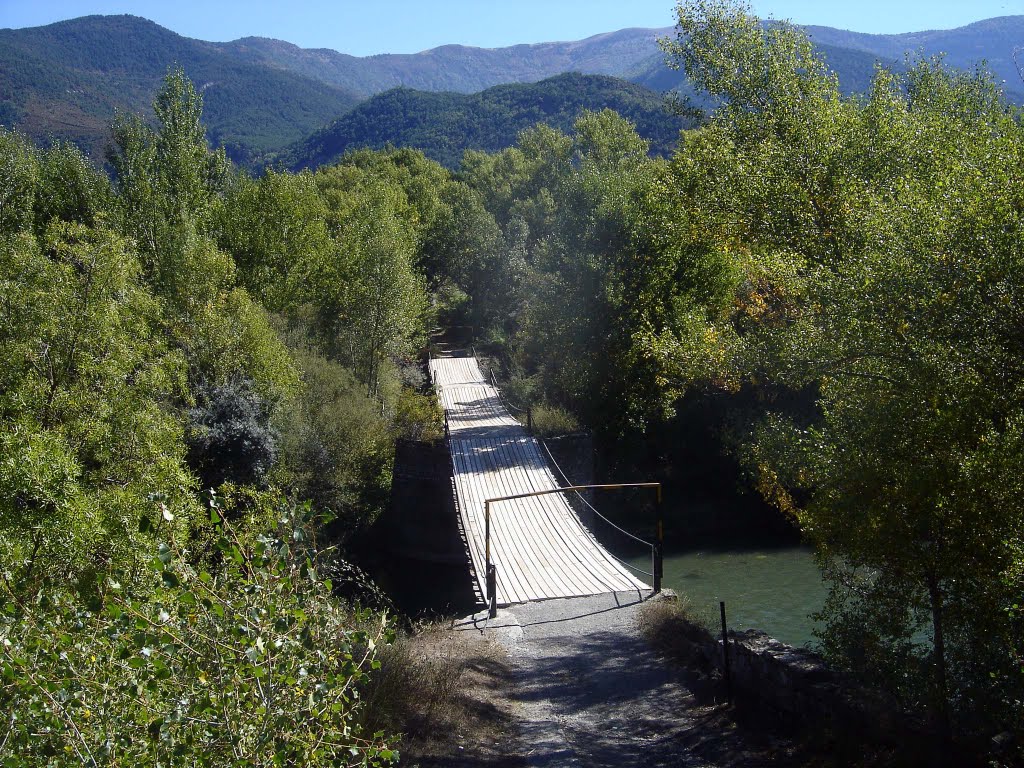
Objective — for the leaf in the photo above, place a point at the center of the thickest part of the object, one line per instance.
(164, 553)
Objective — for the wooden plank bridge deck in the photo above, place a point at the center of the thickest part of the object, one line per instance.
(540, 548)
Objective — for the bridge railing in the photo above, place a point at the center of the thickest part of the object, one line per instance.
(652, 546)
(509, 406)
(491, 576)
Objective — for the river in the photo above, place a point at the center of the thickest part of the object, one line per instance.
(774, 590)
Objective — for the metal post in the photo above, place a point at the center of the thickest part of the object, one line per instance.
(491, 574)
(725, 654)
(529, 419)
(659, 548)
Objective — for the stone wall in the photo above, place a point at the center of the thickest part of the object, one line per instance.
(798, 690)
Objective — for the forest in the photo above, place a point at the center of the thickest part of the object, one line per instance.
(444, 125)
(204, 372)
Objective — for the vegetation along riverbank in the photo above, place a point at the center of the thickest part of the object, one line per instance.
(811, 306)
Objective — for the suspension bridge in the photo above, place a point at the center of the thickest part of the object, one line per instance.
(525, 540)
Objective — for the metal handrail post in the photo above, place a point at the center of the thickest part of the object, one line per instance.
(491, 571)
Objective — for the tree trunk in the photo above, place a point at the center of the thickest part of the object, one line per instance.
(941, 704)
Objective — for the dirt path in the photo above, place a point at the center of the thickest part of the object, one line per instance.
(584, 688)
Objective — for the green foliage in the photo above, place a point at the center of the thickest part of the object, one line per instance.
(619, 284)
(878, 241)
(418, 417)
(255, 664)
(69, 188)
(86, 431)
(445, 125)
(19, 175)
(135, 369)
(275, 228)
(336, 446)
(551, 421)
(168, 185)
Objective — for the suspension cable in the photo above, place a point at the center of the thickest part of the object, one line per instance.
(589, 505)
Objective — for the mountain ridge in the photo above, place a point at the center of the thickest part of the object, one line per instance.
(444, 124)
(66, 80)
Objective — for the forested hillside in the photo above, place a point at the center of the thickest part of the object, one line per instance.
(444, 125)
(67, 80)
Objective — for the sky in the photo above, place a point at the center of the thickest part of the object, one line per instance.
(365, 27)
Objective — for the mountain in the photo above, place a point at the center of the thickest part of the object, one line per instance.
(457, 68)
(631, 54)
(992, 40)
(854, 67)
(444, 125)
(66, 80)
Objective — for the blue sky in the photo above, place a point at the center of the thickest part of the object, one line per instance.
(363, 27)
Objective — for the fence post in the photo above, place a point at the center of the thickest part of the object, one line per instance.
(529, 419)
(725, 654)
(659, 548)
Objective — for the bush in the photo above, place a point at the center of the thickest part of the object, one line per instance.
(550, 420)
(336, 446)
(257, 666)
(231, 439)
(418, 417)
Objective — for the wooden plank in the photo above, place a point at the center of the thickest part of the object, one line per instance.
(538, 545)
(529, 556)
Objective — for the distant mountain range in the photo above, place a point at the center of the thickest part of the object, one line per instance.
(65, 80)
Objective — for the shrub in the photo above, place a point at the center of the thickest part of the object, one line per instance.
(336, 448)
(256, 666)
(231, 439)
(418, 417)
(550, 420)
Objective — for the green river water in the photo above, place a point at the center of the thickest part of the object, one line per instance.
(773, 590)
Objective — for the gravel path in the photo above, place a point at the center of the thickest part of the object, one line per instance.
(589, 691)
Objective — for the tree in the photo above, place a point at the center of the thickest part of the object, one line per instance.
(619, 284)
(879, 243)
(87, 434)
(387, 299)
(169, 184)
(275, 228)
